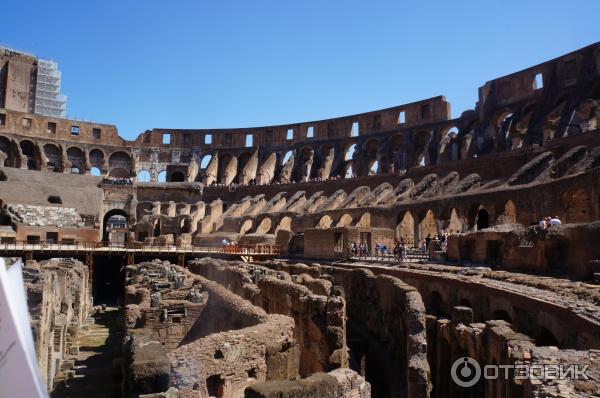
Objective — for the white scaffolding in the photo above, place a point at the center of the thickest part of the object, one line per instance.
(48, 99)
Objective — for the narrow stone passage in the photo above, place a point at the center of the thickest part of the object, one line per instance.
(97, 369)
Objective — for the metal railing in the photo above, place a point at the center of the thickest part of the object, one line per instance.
(249, 250)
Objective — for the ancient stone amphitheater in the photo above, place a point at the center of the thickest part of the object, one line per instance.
(249, 262)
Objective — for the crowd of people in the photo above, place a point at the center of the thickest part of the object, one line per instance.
(117, 181)
(399, 251)
(548, 222)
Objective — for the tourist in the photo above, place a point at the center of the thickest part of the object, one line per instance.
(543, 223)
(554, 221)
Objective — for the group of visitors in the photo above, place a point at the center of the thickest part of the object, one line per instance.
(360, 250)
(548, 222)
(117, 181)
(425, 243)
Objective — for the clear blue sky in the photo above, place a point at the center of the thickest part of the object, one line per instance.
(209, 64)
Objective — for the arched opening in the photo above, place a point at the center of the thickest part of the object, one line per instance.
(285, 224)
(9, 148)
(349, 172)
(397, 153)
(421, 143)
(350, 152)
(364, 221)
(546, 338)
(483, 219)
(77, 160)
(143, 176)
(374, 168)
(54, 156)
(243, 160)
(120, 160)
(205, 161)
(115, 227)
(162, 177)
(286, 157)
(501, 315)
(428, 226)
(30, 150)
(455, 225)
(436, 305)
(227, 168)
(405, 229)
(345, 220)
(509, 215)
(97, 158)
(264, 227)
(246, 226)
(95, 172)
(325, 222)
(177, 177)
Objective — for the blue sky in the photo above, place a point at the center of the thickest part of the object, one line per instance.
(215, 64)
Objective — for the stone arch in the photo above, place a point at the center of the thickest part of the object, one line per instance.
(348, 172)
(364, 220)
(96, 172)
(54, 156)
(97, 158)
(106, 221)
(427, 224)
(144, 176)
(374, 167)
(405, 228)
(509, 215)
(482, 219)
(32, 152)
(285, 224)
(435, 305)
(162, 176)
(227, 168)
(205, 161)
(76, 158)
(421, 144)
(577, 205)
(345, 220)
(325, 222)
(397, 153)
(122, 161)
(246, 226)
(264, 227)
(349, 150)
(243, 159)
(452, 223)
(10, 150)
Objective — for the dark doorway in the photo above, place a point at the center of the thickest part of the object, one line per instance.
(483, 219)
(108, 280)
(115, 221)
(177, 177)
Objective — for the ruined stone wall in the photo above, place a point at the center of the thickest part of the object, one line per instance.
(319, 315)
(386, 328)
(339, 383)
(59, 300)
(212, 342)
(496, 343)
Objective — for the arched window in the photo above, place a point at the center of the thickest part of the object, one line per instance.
(177, 177)
(205, 161)
(350, 152)
(483, 219)
(374, 169)
(95, 172)
(162, 176)
(287, 157)
(143, 176)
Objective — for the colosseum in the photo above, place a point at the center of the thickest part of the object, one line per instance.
(393, 253)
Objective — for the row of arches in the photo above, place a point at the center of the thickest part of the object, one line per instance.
(54, 157)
